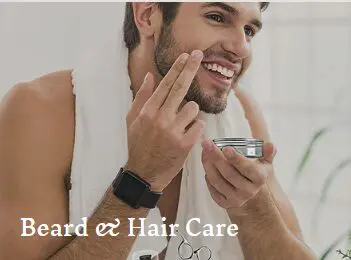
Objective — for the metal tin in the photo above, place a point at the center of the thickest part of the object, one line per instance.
(249, 147)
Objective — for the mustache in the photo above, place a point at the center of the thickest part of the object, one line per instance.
(221, 54)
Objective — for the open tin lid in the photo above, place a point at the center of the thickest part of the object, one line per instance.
(249, 147)
(238, 142)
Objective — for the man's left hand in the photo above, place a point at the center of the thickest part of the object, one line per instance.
(232, 178)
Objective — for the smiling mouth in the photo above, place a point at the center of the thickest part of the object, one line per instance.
(220, 71)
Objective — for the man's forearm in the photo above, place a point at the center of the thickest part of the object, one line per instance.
(104, 247)
(263, 234)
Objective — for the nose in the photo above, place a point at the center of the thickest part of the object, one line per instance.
(236, 42)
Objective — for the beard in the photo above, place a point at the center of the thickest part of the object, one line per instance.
(166, 52)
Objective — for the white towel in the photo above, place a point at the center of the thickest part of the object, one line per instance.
(103, 98)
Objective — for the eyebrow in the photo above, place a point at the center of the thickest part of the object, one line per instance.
(233, 11)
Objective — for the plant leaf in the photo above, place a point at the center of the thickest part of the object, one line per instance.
(307, 154)
(325, 190)
(331, 177)
(333, 245)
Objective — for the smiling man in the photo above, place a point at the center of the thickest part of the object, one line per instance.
(184, 61)
(224, 60)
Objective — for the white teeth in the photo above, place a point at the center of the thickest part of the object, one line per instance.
(215, 67)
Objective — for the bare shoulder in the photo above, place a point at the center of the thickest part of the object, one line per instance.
(40, 111)
(52, 88)
(49, 89)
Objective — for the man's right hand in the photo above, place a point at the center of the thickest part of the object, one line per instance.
(160, 134)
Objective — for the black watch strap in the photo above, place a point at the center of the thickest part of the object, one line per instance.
(149, 199)
(134, 191)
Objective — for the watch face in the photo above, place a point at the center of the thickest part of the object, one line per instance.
(130, 189)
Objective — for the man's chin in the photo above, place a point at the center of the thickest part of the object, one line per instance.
(214, 110)
(209, 105)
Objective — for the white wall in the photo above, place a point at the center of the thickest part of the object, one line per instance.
(37, 38)
(300, 75)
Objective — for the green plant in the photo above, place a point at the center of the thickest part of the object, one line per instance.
(338, 169)
(333, 246)
(343, 164)
(347, 254)
(307, 154)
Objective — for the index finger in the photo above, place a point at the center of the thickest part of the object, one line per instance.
(183, 82)
(160, 94)
(253, 114)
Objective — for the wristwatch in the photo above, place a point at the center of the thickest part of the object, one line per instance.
(134, 191)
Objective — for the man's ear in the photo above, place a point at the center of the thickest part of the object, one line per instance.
(143, 18)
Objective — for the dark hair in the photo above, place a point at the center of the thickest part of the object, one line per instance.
(169, 11)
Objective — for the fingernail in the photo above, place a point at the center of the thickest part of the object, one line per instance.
(230, 152)
(183, 57)
(197, 54)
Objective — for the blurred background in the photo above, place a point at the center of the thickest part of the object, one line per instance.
(301, 76)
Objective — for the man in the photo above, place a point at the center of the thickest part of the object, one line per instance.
(160, 37)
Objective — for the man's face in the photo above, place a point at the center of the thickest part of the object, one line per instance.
(223, 31)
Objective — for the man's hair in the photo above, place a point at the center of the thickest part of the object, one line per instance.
(169, 11)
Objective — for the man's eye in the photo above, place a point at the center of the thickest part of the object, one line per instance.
(249, 31)
(216, 17)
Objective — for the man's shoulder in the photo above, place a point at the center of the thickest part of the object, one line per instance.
(50, 90)
(52, 87)
(40, 111)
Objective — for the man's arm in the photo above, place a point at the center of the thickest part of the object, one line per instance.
(284, 206)
(243, 191)
(104, 247)
(35, 151)
(36, 139)
(248, 189)
(270, 205)
(265, 233)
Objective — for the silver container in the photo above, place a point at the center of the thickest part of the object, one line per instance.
(249, 147)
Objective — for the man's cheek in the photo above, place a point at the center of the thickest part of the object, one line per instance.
(246, 64)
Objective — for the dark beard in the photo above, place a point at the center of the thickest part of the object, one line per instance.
(166, 52)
